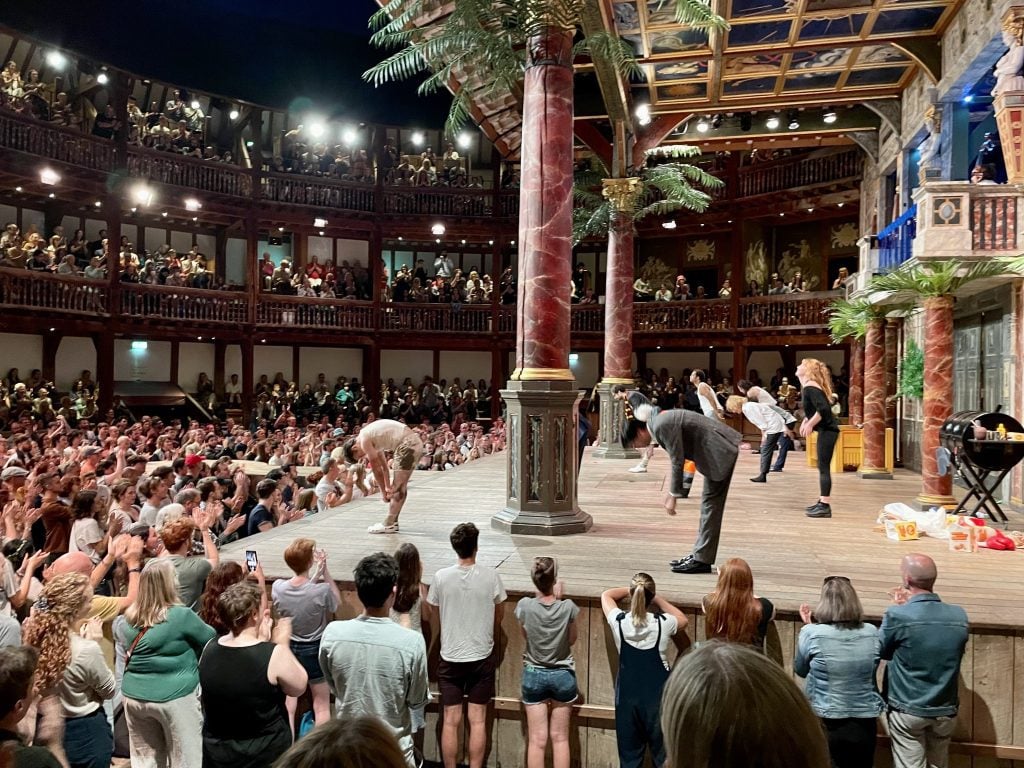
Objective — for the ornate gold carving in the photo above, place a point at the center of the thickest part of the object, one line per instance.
(622, 193)
(542, 374)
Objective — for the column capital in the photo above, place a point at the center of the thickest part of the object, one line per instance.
(622, 193)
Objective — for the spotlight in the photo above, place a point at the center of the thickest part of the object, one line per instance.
(102, 78)
(669, 224)
(772, 123)
(321, 233)
(794, 121)
(98, 203)
(968, 99)
(437, 229)
(191, 204)
(463, 241)
(703, 125)
(349, 136)
(464, 140)
(233, 114)
(317, 130)
(17, 189)
(52, 195)
(417, 138)
(140, 346)
(49, 177)
(194, 104)
(164, 214)
(643, 114)
(56, 59)
(142, 195)
(319, 223)
(249, 144)
(830, 117)
(280, 229)
(716, 121)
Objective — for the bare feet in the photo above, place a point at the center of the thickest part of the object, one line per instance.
(670, 504)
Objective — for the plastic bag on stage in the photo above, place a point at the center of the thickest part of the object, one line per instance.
(931, 522)
(689, 470)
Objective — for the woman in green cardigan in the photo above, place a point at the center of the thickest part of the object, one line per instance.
(161, 702)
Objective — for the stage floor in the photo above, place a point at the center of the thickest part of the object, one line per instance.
(789, 553)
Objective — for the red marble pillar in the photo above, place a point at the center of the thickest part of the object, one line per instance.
(618, 305)
(874, 400)
(856, 404)
(938, 396)
(893, 331)
(545, 211)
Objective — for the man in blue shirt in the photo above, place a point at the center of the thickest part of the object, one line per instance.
(923, 640)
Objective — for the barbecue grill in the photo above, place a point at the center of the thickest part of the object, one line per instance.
(977, 460)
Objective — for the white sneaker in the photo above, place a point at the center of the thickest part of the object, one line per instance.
(639, 468)
(381, 528)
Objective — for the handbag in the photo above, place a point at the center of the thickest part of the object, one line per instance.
(131, 648)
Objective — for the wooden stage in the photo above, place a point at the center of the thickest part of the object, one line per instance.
(764, 524)
(789, 553)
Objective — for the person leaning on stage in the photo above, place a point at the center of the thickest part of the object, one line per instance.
(470, 599)
(373, 440)
(713, 447)
(837, 652)
(923, 641)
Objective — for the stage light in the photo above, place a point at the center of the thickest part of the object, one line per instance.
(745, 121)
(830, 117)
(195, 218)
(280, 229)
(400, 238)
(98, 203)
(317, 130)
(349, 136)
(438, 241)
(573, 358)
(102, 78)
(142, 195)
(17, 189)
(49, 177)
(164, 214)
(56, 59)
(463, 241)
(968, 99)
(437, 229)
(191, 204)
(643, 114)
(716, 121)
(793, 120)
(319, 223)
(140, 346)
(417, 138)
(52, 195)
(249, 144)
(841, 204)
(464, 140)
(321, 233)
(772, 123)
(233, 114)
(703, 125)
(668, 224)
(490, 242)
(194, 104)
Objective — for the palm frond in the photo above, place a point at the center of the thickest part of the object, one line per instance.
(695, 200)
(671, 176)
(939, 278)
(609, 47)
(591, 222)
(849, 318)
(698, 15)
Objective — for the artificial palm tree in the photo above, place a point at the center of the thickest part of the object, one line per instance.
(487, 41)
(664, 189)
(848, 319)
(934, 279)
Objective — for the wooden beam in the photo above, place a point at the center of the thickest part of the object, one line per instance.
(588, 133)
(660, 127)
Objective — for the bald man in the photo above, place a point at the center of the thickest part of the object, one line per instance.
(923, 639)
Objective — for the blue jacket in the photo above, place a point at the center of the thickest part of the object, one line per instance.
(840, 666)
(923, 641)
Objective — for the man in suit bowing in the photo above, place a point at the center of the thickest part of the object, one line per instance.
(708, 443)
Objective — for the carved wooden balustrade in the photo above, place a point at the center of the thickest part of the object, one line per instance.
(64, 145)
(437, 201)
(437, 318)
(22, 288)
(697, 314)
(328, 314)
(297, 189)
(189, 305)
(190, 172)
(793, 310)
(783, 174)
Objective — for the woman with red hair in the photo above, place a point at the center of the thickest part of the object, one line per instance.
(734, 613)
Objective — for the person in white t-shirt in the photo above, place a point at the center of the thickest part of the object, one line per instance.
(641, 637)
(470, 600)
(773, 432)
(334, 488)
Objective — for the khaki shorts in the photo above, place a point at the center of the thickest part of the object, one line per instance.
(408, 453)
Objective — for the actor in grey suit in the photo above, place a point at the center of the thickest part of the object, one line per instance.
(713, 447)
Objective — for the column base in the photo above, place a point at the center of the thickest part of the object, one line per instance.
(926, 501)
(612, 414)
(542, 456)
(874, 474)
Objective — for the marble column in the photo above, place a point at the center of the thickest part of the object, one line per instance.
(618, 316)
(856, 402)
(893, 332)
(873, 464)
(938, 397)
(541, 395)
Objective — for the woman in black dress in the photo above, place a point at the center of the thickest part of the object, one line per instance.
(816, 400)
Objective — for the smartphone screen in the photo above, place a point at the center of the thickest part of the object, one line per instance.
(251, 561)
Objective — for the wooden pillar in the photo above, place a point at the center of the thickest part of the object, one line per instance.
(739, 362)
(736, 280)
(175, 357)
(253, 285)
(248, 378)
(371, 374)
(498, 356)
(436, 366)
(938, 396)
(104, 343)
(51, 342)
(296, 362)
(873, 465)
(219, 352)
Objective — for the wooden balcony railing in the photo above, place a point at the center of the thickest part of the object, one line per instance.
(794, 310)
(702, 315)
(183, 304)
(190, 172)
(328, 314)
(437, 201)
(61, 144)
(22, 288)
(993, 222)
(586, 318)
(296, 189)
(437, 318)
(783, 174)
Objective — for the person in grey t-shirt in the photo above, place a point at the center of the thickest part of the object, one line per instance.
(549, 676)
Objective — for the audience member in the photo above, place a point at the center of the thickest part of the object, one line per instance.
(18, 692)
(733, 611)
(355, 742)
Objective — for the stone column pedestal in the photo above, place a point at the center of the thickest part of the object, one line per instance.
(612, 415)
(541, 459)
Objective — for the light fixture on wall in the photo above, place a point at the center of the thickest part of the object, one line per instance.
(830, 116)
(437, 229)
(319, 222)
(417, 138)
(464, 140)
(56, 59)
(140, 346)
(669, 224)
(772, 122)
(142, 194)
(793, 120)
(317, 130)
(192, 204)
(49, 177)
(233, 114)
(102, 78)
(703, 125)
(643, 114)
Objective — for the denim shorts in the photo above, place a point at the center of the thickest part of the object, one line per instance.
(541, 684)
(308, 655)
